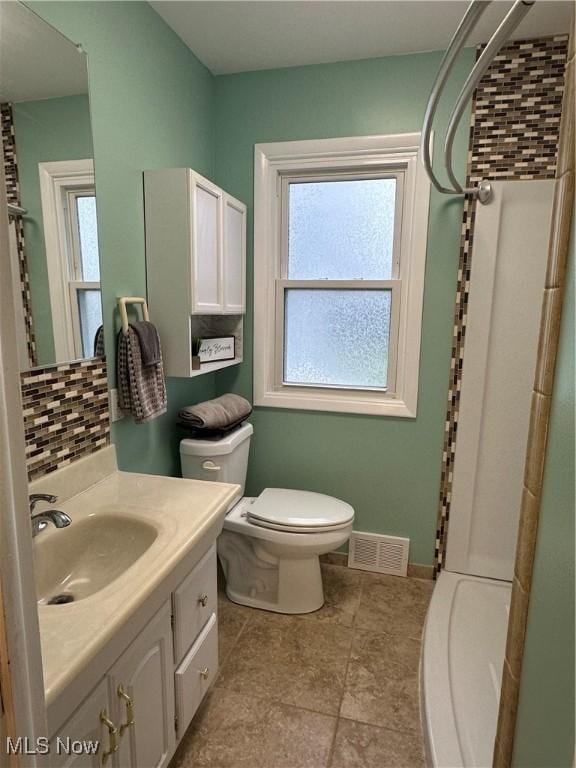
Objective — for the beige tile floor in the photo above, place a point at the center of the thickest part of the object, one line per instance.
(334, 689)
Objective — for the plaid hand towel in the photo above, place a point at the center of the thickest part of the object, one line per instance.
(141, 389)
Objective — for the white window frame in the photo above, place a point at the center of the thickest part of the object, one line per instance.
(61, 182)
(279, 163)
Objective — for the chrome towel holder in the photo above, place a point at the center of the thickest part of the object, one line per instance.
(482, 192)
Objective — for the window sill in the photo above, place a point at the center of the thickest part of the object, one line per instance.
(369, 404)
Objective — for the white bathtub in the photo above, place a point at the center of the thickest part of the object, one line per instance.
(461, 669)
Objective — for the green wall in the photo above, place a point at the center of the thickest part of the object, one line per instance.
(151, 103)
(387, 468)
(545, 727)
(154, 105)
(48, 130)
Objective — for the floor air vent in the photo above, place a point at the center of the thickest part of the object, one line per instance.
(374, 552)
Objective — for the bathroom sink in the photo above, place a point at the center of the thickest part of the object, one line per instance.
(73, 563)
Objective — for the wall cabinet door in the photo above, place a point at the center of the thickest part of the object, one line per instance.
(234, 256)
(206, 218)
(141, 685)
(84, 727)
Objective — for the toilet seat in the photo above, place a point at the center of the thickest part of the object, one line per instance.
(281, 509)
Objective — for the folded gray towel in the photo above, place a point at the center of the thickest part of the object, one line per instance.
(221, 413)
(149, 342)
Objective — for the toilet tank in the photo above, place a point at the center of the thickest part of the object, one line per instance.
(223, 459)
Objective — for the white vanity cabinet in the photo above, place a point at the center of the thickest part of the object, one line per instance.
(195, 262)
(195, 638)
(131, 711)
(86, 725)
(144, 703)
(141, 687)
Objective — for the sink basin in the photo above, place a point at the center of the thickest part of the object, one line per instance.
(73, 563)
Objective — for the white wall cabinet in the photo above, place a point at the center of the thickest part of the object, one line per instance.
(195, 258)
(142, 706)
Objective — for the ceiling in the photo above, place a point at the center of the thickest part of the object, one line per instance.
(266, 34)
(36, 61)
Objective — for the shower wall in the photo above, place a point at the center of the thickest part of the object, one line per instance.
(513, 136)
(502, 328)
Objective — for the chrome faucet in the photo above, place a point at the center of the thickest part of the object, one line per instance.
(40, 520)
(36, 497)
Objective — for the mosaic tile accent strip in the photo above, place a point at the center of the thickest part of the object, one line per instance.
(514, 135)
(13, 196)
(65, 414)
(9, 154)
(456, 366)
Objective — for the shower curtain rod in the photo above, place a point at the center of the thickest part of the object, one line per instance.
(16, 210)
(483, 191)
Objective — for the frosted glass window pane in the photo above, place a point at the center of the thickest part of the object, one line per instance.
(337, 337)
(341, 230)
(90, 311)
(86, 207)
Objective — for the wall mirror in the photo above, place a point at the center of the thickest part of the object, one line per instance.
(48, 163)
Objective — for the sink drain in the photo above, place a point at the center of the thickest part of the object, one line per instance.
(61, 599)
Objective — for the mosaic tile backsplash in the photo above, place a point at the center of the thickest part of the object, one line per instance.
(65, 414)
(514, 133)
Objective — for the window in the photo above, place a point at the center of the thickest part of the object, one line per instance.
(340, 244)
(83, 268)
(71, 237)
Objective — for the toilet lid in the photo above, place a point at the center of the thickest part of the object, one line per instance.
(284, 509)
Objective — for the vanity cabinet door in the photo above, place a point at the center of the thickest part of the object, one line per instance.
(83, 730)
(234, 261)
(206, 215)
(141, 684)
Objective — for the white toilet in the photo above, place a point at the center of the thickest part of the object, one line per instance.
(270, 545)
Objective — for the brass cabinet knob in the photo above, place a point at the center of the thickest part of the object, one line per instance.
(203, 600)
(204, 673)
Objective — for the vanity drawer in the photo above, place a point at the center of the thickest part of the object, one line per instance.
(196, 673)
(194, 602)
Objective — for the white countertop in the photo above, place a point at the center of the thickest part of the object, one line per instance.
(183, 511)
